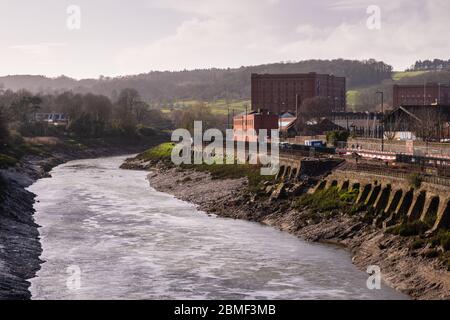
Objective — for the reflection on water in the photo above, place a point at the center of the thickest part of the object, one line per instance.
(130, 242)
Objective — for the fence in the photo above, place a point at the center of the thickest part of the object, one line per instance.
(396, 173)
(437, 150)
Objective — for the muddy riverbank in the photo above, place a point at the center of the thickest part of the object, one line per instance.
(416, 272)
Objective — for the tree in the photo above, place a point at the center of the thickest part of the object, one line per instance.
(334, 137)
(99, 110)
(4, 132)
(24, 105)
(315, 108)
(208, 84)
(82, 126)
(70, 104)
(199, 112)
(428, 123)
(140, 111)
(126, 105)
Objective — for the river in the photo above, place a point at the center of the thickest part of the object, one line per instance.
(107, 235)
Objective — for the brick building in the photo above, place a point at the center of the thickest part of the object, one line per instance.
(280, 93)
(430, 122)
(243, 125)
(421, 94)
(361, 124)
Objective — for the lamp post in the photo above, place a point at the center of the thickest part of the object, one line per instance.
(334, 111)
(382, 119)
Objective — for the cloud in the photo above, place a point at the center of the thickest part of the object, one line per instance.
(344, 5)
(218, 37)
(43, 49)
(187, 34)
(214, 7)
(26, 58)
(406, 35)
(235, 32)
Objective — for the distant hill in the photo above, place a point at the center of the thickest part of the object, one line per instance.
(365, 98)
(203, 85)
(431, 65)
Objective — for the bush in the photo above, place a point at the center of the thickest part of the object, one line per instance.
(357, 208)
(444, 238)
(409, 229)
(41, 129)
(160, 152)
(7, 161)
(333, 137)
(145, 131)
(322, 200)
(417, 244)
(349, 196)
(235, 171)
(415, 180)
(4, 132)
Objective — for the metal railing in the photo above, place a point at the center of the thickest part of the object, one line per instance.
(396, 173)
(431, 150)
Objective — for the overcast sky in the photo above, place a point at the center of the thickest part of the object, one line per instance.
(136, 36)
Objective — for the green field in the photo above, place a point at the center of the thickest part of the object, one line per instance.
(397, 76)
(219, 107)
(352, 97)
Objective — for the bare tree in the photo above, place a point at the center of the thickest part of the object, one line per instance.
(427, 124)
(314, 108)
(126, 104)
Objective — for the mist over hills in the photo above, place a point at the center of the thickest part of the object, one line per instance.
(161, 87)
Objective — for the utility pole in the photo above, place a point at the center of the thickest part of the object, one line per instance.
(246, 112)
(333, 114)
(228, 116)
(382, 119)
(439, 94)
(228, 109)
(424, 93)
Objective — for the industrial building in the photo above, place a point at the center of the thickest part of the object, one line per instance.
(281, 93)
(421, 94)
(247, 126)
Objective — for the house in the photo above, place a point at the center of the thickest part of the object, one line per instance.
(425, 122)
(287, 124)
(51, 118)
(247, 126)
(361, 124)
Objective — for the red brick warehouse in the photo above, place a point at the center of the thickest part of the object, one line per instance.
(246, 124)
(280, 93)
(421, 94)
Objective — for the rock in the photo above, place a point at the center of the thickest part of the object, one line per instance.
(279, 192)
(296, 189)
(348, 233)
